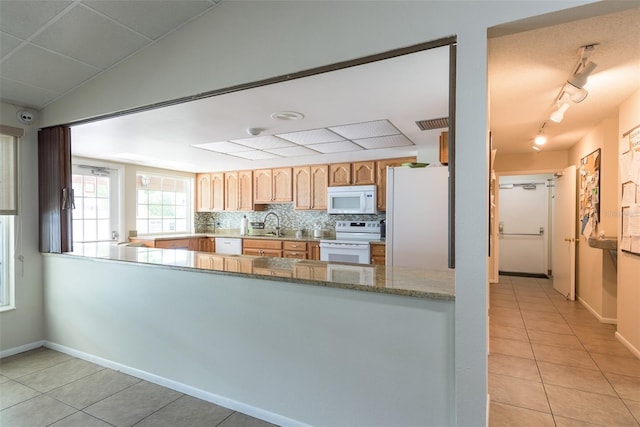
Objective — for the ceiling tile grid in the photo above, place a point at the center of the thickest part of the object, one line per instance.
(48, 48)
(374, 135)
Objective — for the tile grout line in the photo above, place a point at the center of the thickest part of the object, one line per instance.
(161, 408)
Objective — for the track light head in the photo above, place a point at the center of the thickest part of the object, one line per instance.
(558, 114)
(579, 78)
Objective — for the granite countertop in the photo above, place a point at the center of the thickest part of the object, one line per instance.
(411, 282)
(235, 234)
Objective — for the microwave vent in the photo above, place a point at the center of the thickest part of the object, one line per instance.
(442, 122)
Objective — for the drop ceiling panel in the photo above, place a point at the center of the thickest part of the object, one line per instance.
(25, 95)
(8, 44)
(256, 155)
(102, 44)
(295, 151)
(23, 18)
(366, 129)
(384, 142)
(223, 147)
(314, 136)
(40, 68)
(336, 147)
(263, 142)
(151, 18)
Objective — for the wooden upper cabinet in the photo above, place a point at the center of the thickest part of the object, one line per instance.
(262, 186)
(357, 173)
(302, 187)
(381, 178)
(217, 191)
(310, 187)
(272, 185)
(363, 173)
(339, 174)
(282, 185)
(231, 191)
(203, 192)
(209, 192)
(245, 190)
(319, 184)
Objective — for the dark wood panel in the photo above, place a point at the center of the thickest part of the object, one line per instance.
(55, 193)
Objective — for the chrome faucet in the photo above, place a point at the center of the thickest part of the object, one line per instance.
(278, 233)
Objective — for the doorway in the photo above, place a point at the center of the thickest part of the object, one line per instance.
(524, 224)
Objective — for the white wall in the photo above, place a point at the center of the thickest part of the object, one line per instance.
(628, 265)
(307, 354)
(25, 324)
(246, 41)
(595, 278)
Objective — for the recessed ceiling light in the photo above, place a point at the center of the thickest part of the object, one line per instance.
(287, 115)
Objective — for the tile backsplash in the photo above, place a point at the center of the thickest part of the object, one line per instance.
(290, 219)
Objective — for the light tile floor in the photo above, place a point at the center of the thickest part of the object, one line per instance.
(43, 387)
(552, 363)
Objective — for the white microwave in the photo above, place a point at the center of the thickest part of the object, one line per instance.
(356, 199)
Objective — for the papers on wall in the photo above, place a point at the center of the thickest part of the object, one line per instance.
(629, 166)
(590, 192)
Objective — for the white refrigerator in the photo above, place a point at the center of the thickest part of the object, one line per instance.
(417, 224)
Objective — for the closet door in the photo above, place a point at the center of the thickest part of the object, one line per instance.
(55, 190)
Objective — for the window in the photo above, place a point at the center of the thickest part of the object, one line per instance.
(95, 216)
(6, 262)
(8, 175)
(163, 203)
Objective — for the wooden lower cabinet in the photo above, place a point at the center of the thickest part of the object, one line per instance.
(295, 249)
(147, 243)
(238, 265)
(273, 272)
(207, 244)
(175, 244)
(310, 272)
(314, 250)
(378, 253)
(262, 247)
(210, 262)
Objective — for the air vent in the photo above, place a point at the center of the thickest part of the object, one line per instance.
(430, 124)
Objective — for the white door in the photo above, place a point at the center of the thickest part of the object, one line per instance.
(564, 229)
(523, 215)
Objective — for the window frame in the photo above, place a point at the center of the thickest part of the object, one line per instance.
(189, 188)
(7, 263)
(116, 192)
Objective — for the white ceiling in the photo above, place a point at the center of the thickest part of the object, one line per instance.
(48, 48)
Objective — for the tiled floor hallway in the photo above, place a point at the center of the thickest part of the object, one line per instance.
(553, 363)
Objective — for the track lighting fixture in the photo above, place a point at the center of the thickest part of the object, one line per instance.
(571, 91)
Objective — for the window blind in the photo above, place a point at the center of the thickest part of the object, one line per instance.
(8, 175)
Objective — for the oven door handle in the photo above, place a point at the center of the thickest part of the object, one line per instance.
(343, 245)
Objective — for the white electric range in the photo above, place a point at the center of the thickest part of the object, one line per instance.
(351, 243)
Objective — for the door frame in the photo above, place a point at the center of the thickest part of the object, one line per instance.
(495, 252)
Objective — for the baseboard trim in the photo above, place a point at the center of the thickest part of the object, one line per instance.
(627, 344)
(21, 349)
(180, 387)
(608, 320)
(488, 408)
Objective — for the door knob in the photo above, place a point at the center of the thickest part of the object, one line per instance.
(567, 239)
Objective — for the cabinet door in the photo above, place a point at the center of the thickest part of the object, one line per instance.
(319, 183)
(217, 191)
(231, 189)
(282, 185)
(364, 173)
(207, 244)
(381, 178)
(339, 174)
(302, 187)
(314, 250)
(262, 186)
(173, 244)
(444, 148)
(378, 254)
(203, 192)
(245, 190)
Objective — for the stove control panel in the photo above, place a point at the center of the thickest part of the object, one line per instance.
(358, 226)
